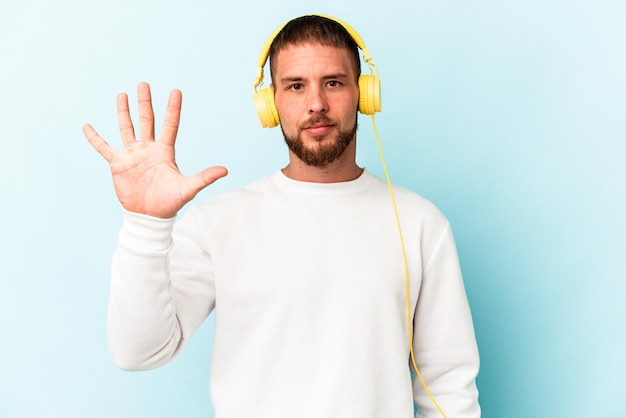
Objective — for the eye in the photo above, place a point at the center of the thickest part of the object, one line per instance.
(295, 86)
(333, 83)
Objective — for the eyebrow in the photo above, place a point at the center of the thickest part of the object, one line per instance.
(326, 77)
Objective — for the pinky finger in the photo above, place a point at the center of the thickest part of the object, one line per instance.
(98, 143)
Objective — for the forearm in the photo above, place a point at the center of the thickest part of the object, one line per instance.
(444, 340)
(451, 379)
(143, 328)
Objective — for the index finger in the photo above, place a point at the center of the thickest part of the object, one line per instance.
(172, 117)
(124, 121)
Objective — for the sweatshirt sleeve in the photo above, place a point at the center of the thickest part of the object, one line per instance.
(444, 342)
(161, 290)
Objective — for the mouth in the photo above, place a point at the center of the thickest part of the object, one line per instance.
(320, 129)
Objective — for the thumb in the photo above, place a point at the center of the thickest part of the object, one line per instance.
(206, 177)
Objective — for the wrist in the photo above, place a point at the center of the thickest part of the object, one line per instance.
(146, 233)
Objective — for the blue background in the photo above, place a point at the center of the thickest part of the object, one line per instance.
(509, 115)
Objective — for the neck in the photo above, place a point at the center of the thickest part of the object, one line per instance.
(344, 168)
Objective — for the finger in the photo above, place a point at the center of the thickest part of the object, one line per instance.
(212, 174)
(123, 119)
(98, 143)
(205, 178)
(172, 117)
(146, 113)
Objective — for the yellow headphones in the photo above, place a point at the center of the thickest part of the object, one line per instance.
(369, 85)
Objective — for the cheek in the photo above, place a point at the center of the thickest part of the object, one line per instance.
(351, 108)
(352, 104)
(288, 118)
(286, 110)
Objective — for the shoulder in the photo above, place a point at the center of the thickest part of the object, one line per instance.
(241, 196)
(410, 204)
(230, 208)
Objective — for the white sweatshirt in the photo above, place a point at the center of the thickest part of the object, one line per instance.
(307, 281)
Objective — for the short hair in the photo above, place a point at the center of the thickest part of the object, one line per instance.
(315, 29)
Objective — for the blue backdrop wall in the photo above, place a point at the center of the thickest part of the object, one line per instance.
(509, 115)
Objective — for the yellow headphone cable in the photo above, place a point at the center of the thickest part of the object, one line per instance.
(406, 269)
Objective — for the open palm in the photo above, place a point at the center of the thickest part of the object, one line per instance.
(145, 175)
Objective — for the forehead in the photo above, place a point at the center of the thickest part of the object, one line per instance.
(305, 57)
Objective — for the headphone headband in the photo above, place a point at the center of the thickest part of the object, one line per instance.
(265, 51)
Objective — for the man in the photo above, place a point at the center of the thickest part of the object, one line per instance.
(304, 268)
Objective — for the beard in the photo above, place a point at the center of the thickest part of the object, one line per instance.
(321, 153)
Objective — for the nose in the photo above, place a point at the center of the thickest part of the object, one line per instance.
(317, 101)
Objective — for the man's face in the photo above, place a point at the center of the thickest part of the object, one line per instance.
(317, 96)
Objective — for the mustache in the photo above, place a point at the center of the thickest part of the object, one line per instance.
(316, 120)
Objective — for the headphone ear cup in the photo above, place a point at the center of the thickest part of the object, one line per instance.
(266, 108)
(369, 94)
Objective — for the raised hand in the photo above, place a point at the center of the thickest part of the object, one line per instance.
(145, 175)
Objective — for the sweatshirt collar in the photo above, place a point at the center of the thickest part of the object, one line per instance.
(289, 185)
